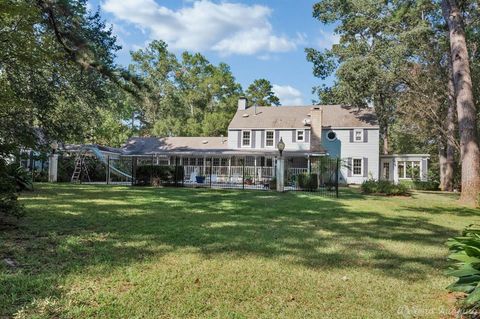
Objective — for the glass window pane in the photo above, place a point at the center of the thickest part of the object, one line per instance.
(408, 172)
(357, 166)
(401, 169)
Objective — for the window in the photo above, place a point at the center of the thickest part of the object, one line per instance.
(358, 135)
(269, 138)
(386, 170)
(331, 136)
(409, 170)
(246, 138)
(300, 136)
(357, 167)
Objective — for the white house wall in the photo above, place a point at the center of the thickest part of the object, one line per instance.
(286, 135)
(344, 149)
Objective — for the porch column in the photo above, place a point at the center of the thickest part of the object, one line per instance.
(254, 169)
(204, 165)
(230, 169)
(280, 174)
(395, 171)
(308, 164)
(261, 168)
(52, 168)
(181, 160)
(157, 159)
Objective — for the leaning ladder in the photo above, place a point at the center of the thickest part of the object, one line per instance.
(80, 167)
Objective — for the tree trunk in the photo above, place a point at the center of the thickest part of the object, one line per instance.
(450, 123)
(385, 139)
(442, 163)
(466, 110)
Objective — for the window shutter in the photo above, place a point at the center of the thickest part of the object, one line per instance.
(277, 137)
(307, 136)
(239, 141)
(365, 167)
(294, 136)
(252, 138)
(350, 167)
(262, 139)
(365, 136)
(351, 136)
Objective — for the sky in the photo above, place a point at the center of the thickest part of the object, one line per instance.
(257, 38)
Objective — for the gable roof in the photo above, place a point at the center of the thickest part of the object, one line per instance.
(293, 116)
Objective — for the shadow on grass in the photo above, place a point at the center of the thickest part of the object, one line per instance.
(74, 228)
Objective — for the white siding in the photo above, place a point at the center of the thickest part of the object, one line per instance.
(286, 135)
(343, 148)
(232, 139)
(290, 145)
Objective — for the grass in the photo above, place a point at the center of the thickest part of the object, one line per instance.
(120, 252)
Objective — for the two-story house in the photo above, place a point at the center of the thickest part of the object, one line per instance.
(308, 132)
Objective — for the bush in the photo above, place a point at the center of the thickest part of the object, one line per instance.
(158, 175)
(372, 186)
(421, 185)
(273, 183)
(21, 177)
(308, 181)
(9, 206)
(465, 255)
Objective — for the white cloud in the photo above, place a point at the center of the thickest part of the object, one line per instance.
(327, 39)
(288, 95)
(228, 28)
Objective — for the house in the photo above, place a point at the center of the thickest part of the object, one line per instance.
(309, 134)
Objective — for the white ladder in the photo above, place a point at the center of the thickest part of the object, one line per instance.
(80, 167)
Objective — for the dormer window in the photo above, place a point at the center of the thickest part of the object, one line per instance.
(300, 136)
(358, 135)
(246, 138)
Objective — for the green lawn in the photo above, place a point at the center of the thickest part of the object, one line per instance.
(121, 252)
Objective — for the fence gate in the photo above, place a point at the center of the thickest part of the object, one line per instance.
(319, 175)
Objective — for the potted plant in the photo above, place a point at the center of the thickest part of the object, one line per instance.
(248, 180)
(200, 179)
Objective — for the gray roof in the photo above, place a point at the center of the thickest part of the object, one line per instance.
(156, 145)
(293, 117)
(192, 145)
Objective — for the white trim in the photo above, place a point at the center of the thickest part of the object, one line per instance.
(273, 139)
(355, 131)
(353, 167)
(331, 139)
(303, 136)
(404, 177)
(249, 139)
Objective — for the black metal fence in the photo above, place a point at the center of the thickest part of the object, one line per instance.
(321, 176)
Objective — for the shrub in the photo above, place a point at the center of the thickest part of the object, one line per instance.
(372, 186)
(21, 177)
(9, 206)
(308, 181)
(421, 185)
(273, 183)
(465, 255)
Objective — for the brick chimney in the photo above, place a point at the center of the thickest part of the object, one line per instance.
(242, 103)
(316, 129)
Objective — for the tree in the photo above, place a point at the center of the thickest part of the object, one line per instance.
(185, 98)
(466, 108)
(260, 93)
(393, 55)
